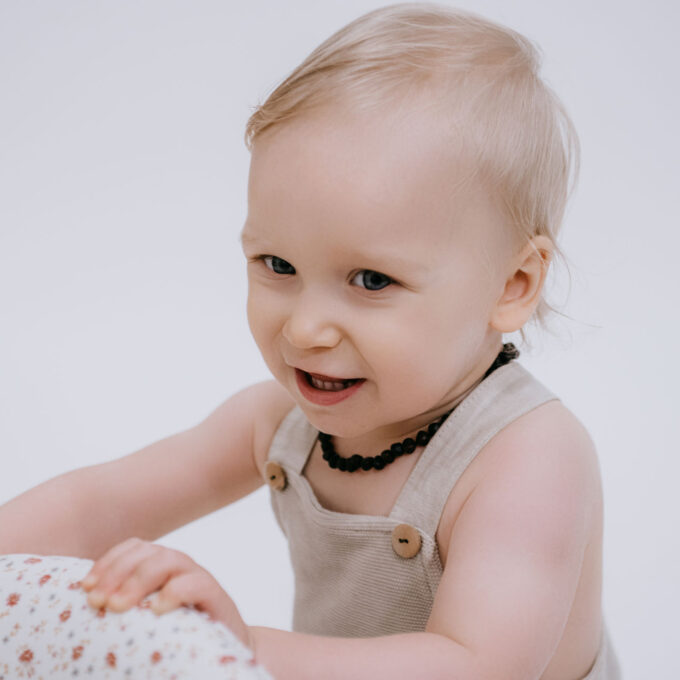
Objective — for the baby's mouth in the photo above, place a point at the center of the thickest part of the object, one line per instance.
(328, 384)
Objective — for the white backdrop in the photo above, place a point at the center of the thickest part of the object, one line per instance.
(122, 287)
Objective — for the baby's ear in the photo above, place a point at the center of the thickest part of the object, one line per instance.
(522, 290)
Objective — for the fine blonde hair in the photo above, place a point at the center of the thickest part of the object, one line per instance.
(483, 78)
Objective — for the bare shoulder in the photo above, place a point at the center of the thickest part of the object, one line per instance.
(273, 404)
(551, 448)
(554, 427)
(546, 453)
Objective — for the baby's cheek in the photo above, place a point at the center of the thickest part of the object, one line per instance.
(264, 321)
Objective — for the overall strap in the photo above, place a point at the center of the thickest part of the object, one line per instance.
(293, 441)
(508, 393)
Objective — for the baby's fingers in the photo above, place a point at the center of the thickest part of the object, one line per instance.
(155, 566)
(148, 576)
(101, 565)
(188, 588)
(117, 567)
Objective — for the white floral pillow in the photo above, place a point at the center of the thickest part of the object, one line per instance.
(48, 630)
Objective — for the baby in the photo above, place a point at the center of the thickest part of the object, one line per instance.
(443, 508)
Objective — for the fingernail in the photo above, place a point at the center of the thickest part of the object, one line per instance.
(118, 602)
(159, 606)
(96, 598)
(88, 581)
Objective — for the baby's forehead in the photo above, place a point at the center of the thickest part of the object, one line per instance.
(360, 148)
(376, 169)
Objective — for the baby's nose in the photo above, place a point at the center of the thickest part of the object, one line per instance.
(311, 325)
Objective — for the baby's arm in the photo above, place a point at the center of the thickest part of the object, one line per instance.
(514, 560)
(147, 493)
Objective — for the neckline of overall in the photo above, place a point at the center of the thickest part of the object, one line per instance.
(434, 446)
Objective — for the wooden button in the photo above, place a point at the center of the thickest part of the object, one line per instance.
(275, 475)
(405, 541)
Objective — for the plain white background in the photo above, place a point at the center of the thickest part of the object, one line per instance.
(122, 287)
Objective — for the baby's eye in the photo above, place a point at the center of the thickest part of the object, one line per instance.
(278, 265)
(371, 280)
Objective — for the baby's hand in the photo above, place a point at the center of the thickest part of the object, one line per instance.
(133, 569)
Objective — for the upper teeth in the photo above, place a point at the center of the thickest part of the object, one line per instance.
(328, 384)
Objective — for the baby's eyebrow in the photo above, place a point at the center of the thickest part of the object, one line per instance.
(387, 260)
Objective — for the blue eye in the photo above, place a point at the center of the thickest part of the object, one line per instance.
(278, 265)
(371, 280)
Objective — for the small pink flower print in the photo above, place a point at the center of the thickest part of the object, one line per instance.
(144, 604)
(156, 657)
(32, 560)
(227, 659)
(44, 579)
(252, 662)
(26, 656)
(65, 615)
(13, 599)
(111, 659)
(77, 652)
(74, 586)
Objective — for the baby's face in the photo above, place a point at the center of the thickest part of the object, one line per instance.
(371, 280)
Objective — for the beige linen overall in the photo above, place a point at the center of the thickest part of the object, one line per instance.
(352, 574)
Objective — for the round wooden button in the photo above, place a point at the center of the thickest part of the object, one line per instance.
(405, 541)
(275, 475)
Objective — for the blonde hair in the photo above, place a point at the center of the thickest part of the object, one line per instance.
(482, 76)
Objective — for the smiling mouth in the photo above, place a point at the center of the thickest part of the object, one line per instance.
(328, 384)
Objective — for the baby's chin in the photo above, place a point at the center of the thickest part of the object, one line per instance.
(367, 437)
(335, 421)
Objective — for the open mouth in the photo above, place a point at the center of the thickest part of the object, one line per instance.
(327, 383)
(326, 390)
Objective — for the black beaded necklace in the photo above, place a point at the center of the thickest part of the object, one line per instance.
(336, 461)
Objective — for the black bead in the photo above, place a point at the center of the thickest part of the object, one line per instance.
(510, 351)
(367, 463)
(422, 438)
(378, 463)
(327, 455)
(432, 428)
(409, 445)
(397, 449)
(333, 461)
(342, 464)
(354, 462)
(327, 445)
(388, 456)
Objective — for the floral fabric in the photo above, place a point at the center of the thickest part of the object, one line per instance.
(48, 630)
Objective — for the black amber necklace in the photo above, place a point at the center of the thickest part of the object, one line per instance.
(336, 461)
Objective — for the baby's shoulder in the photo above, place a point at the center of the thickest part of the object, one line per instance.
(551, 421)
(546, 447)
(273, 404)
(539, 476)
